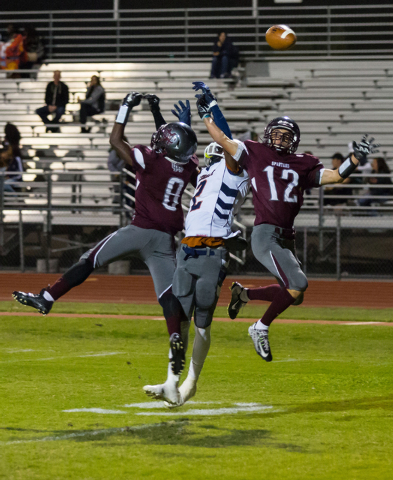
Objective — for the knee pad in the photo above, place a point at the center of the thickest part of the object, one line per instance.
(171, 306)
(205, 294)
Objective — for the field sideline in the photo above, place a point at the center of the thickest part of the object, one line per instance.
(73, 406)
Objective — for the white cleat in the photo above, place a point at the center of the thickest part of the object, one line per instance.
(166, 391)
(187, 390)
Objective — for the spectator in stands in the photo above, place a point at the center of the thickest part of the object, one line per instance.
(337, 160)
(11, 157)
(33, 48)
(11, 51)
(56, 99)
(225, 57)
(94, 102)
(379, 167)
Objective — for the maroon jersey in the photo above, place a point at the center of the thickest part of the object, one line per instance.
(278, 181)
(160, 184)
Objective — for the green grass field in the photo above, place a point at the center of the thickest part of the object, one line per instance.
(323, 409)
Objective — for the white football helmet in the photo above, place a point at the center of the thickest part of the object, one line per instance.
(213, 153)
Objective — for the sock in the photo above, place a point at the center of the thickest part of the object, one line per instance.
(185, 328)
(173, 312)
(260, 326)
(281, 302)
(264, 293)
(73, 277)
(48, 296)
(171, 377)
(199, 351)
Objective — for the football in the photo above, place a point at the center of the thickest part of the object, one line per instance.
(280, 37)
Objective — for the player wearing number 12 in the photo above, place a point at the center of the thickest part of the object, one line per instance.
(163, 171)
(279, 178)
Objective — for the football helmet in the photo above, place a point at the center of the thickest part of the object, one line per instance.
(213, 153)
(175, 140)
(285, 123)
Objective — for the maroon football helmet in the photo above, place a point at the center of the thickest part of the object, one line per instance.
(285, 123)
(175, 140)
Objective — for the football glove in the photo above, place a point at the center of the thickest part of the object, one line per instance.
(154, 101)
(210, 98)
(202, 106)
(131, 100)
(183, 113)
(364, 148)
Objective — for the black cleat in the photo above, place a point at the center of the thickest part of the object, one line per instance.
(236, 302)
(32, 300)
(178, 359)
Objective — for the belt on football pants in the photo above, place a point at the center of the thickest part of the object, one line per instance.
(287, 233)
(197, 252)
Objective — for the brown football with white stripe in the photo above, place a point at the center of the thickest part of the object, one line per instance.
(280, 37)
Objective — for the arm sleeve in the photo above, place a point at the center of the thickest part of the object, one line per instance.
(158, 118)
(221, 122)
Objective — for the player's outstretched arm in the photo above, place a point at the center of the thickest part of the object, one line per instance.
(117, 136)
(359, 156)
(154, 104)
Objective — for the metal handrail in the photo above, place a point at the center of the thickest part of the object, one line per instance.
(127, 34)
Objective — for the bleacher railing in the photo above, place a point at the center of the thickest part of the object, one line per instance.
(324, 32)
(332, 240)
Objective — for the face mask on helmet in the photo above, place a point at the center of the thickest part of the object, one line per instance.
(213, 153)
(175, 140)
(282, 134)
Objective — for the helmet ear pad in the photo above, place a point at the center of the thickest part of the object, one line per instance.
(285, 123)
(213, 153)
(175, 140)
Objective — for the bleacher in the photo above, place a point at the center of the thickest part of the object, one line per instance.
(333, 103)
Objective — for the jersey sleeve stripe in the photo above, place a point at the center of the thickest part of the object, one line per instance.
(139, 157)
(225, 206)
(223, 216)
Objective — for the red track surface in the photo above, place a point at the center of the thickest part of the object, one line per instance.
(139, 289)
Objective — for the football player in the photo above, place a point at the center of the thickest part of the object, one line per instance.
(202, 259)
(163, 171)
(279, 176)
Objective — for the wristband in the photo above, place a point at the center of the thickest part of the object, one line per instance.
(207, 115)
(346, 168)
(122, 115)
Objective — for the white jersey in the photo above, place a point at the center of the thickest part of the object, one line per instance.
(217, 198)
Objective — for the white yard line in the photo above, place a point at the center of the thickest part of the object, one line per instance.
(205, 412)
(94, 410)
(103, 354)
(155, 405)
(84, 434)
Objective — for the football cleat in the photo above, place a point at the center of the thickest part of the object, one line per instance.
(167, 391)
(261, 342)
(178, 356)
(236, 302)
(33, 300)
(187, 390)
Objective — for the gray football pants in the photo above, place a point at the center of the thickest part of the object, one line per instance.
(155, 248)
(197, 283)
(278, 255)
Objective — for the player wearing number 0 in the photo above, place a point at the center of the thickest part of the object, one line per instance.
(279, 176)
(202, 259)
(163, 171)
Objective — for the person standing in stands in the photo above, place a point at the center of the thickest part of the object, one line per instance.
(94, 102)
(56, 99)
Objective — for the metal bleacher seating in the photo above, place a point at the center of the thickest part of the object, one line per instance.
(333, 104)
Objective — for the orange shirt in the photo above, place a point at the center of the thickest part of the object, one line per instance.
(196, 242)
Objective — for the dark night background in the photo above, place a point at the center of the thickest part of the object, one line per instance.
(29, 5)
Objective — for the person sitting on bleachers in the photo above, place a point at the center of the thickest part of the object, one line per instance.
(225, 57)
(11, 157)
(12, 50)
(337, 160)
(94, 102)
(56, 99)
(379, 167)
